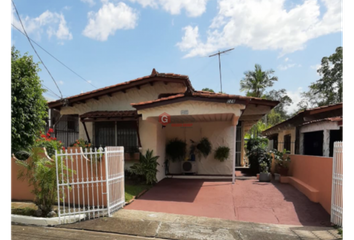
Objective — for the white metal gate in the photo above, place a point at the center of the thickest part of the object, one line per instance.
(337, 185)
(90, 184)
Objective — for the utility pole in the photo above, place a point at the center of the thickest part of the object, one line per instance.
(218, 53)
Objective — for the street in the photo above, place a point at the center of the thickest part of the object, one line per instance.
(22, 232)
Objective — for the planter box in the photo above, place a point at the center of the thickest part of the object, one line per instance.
(131, 157)
(264, 177)
(277, 177)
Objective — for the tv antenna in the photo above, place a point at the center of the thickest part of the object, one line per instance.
(219, 53)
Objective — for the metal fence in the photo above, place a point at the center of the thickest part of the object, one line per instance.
(90, 184)
(337, 185)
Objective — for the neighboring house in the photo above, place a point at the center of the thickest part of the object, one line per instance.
(127, 114)
(310, 132)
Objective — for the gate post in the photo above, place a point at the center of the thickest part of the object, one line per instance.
(56, 169)
(107, 181)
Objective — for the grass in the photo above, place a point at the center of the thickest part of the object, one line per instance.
(134, 190)
(339, 229)
(24, 211)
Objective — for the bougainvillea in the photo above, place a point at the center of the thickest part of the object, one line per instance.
(50, 143)
(81, 143)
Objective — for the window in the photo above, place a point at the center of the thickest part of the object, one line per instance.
(104, 134)
(127, 136)
(71, 125)
(287, 142)
(122, 133)
(313, 143)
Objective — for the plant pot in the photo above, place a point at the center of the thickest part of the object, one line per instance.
(264, 177)
(282, 171)
(277, 177)
(129, 156)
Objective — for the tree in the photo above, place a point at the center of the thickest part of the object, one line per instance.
(255, 82)
(283, 98)
(208, 90)
(329, 88)
(28, 106)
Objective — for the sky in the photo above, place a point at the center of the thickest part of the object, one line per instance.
(110, 41)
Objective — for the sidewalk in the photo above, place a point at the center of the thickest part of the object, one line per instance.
(173, 226)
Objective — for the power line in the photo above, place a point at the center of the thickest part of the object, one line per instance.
(218, 53)
(18, 15)
(55, 58)
(50, 90)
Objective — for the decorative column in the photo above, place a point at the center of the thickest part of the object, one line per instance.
(301, 144)
(326, 139)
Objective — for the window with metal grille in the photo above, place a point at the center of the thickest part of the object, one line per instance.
(121, 133)
(127, 136)
(105, 134)
(287, 142)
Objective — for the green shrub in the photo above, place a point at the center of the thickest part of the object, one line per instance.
(146, 167)
(256, 153)
(81, 143)
(41, 174)
(176, 150)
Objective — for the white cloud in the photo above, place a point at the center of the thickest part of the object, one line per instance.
(286, 59)
(52, 23)
(91, 3)
(284, 67)
(316, 67)
(109, 18)
(194, 8)
(61, 82)
(265, 24)
(296, 98)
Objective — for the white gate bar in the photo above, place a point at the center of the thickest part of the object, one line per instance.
(107, 183)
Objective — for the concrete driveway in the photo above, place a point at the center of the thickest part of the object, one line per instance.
(246, 200)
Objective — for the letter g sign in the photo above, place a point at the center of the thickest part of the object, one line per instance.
(165, 118)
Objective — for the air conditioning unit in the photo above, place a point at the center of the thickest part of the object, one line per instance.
(189, 167)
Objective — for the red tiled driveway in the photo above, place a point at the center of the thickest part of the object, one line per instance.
(246, 200)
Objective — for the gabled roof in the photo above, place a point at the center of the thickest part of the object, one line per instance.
(204, 96)
(312, 114)
(150, 79)
(338, 119)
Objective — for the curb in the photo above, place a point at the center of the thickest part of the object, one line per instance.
(135, 197)
(40, 221)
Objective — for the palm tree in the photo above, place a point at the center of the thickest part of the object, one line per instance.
(255, 82)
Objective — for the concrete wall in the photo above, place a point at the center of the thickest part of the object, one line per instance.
(218, 133)
(120, 101)
(292, 132)
(152, 137)
(320, 126)
(315, 172)
(82, 168)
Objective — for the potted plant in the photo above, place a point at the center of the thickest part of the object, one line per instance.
(204, 147)
(264, 175)
(132, 153)
(176, 150)
(222, 153)
(282, 162)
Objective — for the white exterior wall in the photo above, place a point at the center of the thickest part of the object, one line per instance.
(152, 137)
(120, 101)
(218, 133)
(320, 126)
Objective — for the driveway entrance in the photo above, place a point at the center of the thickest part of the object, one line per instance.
(246, 200)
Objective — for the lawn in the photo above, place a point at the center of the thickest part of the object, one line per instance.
(133, 190)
